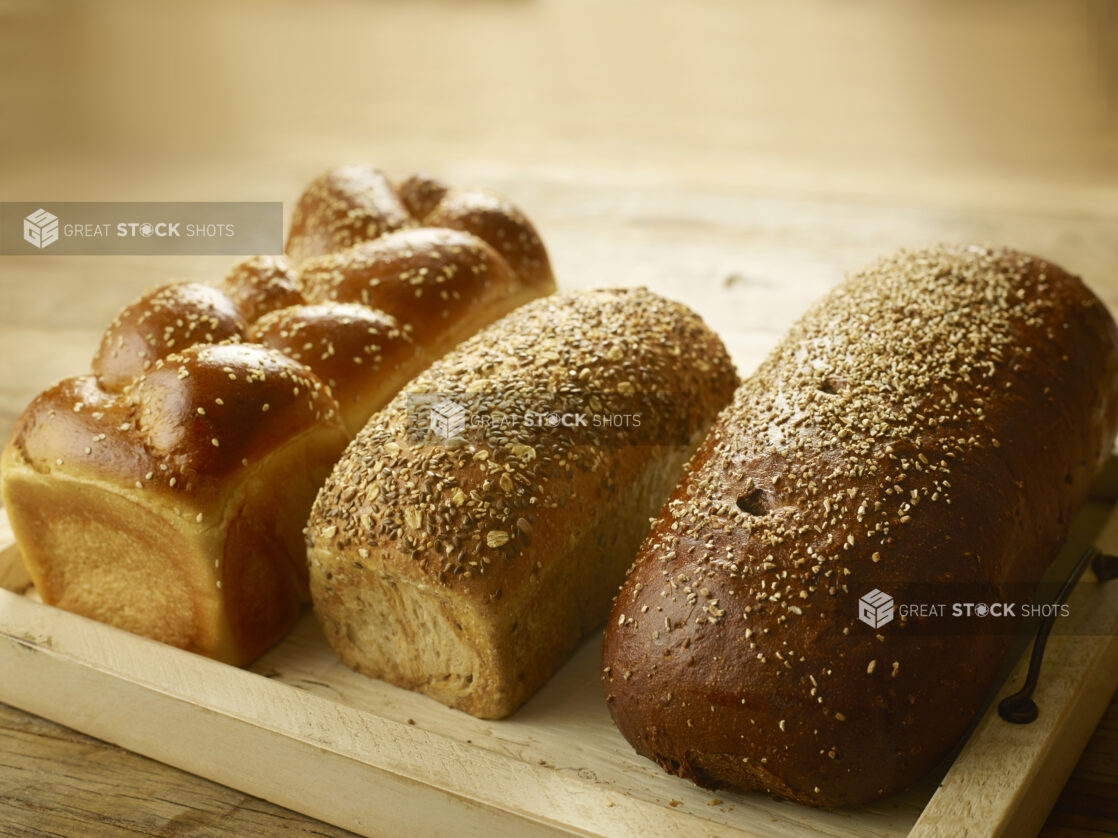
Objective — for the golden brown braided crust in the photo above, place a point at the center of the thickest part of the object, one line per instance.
(463, 260)
(353, 204)
(166, 492)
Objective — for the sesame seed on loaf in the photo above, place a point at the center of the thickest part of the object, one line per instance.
(935, 420)
(173, 508)
(350, 205)
(441, 263)
(469, 568)
(166, 493)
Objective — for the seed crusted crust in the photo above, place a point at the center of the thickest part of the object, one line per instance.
(935, 419)
(489, 517)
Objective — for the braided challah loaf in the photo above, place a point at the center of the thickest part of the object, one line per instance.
(166, 493)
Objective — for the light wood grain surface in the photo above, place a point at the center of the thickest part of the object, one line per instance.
(738, 156)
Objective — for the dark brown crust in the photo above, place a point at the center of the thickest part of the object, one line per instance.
(711, 674)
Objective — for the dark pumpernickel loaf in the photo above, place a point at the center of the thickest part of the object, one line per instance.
(935, 419)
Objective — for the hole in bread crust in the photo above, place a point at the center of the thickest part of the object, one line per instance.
(753, 503)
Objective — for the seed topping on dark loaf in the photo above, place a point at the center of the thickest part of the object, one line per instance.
(901, 435)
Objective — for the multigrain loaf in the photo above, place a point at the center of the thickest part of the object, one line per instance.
(931, 424)
(467, 563)
(166, 492)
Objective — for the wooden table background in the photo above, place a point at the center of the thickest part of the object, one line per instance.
(750, 151)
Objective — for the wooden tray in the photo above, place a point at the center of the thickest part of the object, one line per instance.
(300, 729)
